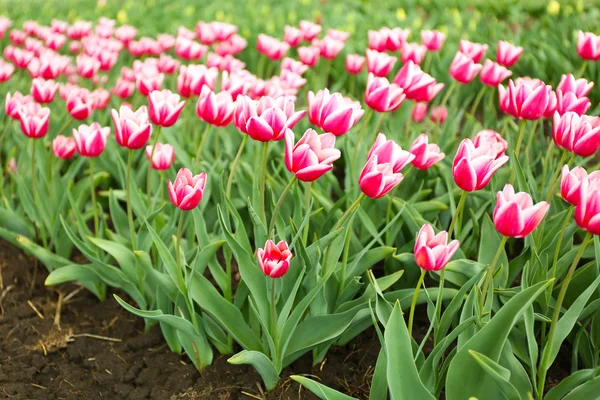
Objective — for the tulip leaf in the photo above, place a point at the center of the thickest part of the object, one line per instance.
(167, 259)
(588, 390)
(125, 257)
(570, 383)
(261, 363)
(490, 241)
(321, 391)
(500, 375)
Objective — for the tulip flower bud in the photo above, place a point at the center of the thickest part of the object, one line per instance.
(473, 167)
(382, 96)
(6, 71)
(425, 154)
(332, 112)
(309, 55)
(571, 181)
(417, 85)
(463, 69)
(90, 141)
(438, 115)
(163, 156)
(588, 46)
(14, 102)
(132, 129)
(577, 134)
(492, 74)
(274, 260)
(80, 103)
(354, 63)
(309, 30)
(34, 120)
(292, 35)
(433, 40)
(164, 107)
(489, 137)
(312, 156)
(63, 147)
(515, 215)
(475, 51)
(379, 64)
(419, 112)
(414, 52)
(187, 190)
(526, 98)
(432, 252)
(508, 54)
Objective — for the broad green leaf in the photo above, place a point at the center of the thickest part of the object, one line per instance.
(498, 373)
(261, 363)
(570, 383)
(321, 391)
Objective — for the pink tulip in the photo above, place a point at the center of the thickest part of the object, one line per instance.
(463, 69)
(125, 34)
(383, 96)
(419, 112)
(5, 25)
(377, 40)
(515, 215)
(438, 115)
(163, 157)
(425, 154)
(187, 190)
(224, 63)
(571, 182)
(329, 48)
(6, 71)
(309, 30)
(87, 66)
(34, 120)
(274, 260)
(414, 52)
(100, 98)
(309, 55)
(215, 109)
(59, 26)
(337, 34)
(473, 167)
(474, 51)
(525, 98)
(271, 47)
(332, 112)
(43, 91)
(234, 83)
(123, 88)
(379, 64)
(507, 53)
(222, 30)
(75, 47)
(492, 74)
(164, 107)
(294, 66)
(165, 41)
(14, 102)
(587, 211)
(577, 134)
(63, 147)
(149, 80)
(432, 252)
(417, 85)
(491, 138)
(192, 77)
(378, 178)
(266, 119)
(17, 37)
(90, 141)
(167, 64)
(21, 58)
(80, 103)
(588, 46)
(312, 156)
(433, 40)
(292, 36)
(569, 102)
(132, 129)
(580, 87)
(189, 49)
(354, 63)
(391, 153)
(232, 46)
(55, 41)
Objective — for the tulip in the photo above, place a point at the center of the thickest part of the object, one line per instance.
(337, 34)
(266, 119)
(570, 102)
(379, 64)
(162, 157)
(17, 37)
(382, 96)
(189, 49)
(312, 156)
(187, 190)
(123, 88)
(125, 34)
(164, 107)
(438, 115)
(167, 64)
(354, 63)
(395, 38)
(6, 71)
(63, 147)
(21, 58)
(192, 77)
(515, 215)
(571, 181)
(463, 69)
(34, 120)
(232, 46)
(507, 54)
(419, 112)
(309, 30)
(492, 74)
(432, 252)
(274, 260)
(377, 178)
(413, 52)
(87, 66)
(80, 103)
(588, 46)
(215, 109)
(473, 167)
(329, 48)
(417, 85)
(390, 152)
(309, 55)
(271, 47)
(475, 51)
(165, 41)
(90, 140)
(132, 129)
(292, 36)
(43, 91)
(222, 30)
(433, 40)
(297, 67)
(488, 137)
(525, 98)
(577, 134)
(332, 112)
(425, 154)
(149, 80)
(224, 63)
(580, 87)
(14, 102)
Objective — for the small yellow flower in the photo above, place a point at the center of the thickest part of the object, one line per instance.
(553, 7)
(579, 6)
(220, 15)
(292, 17)
(400, 14)
(122, 17)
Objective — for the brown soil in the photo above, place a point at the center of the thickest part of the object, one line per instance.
(40, 359)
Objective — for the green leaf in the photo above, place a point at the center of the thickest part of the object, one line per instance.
(167, 259)
(588, 390)
(500, 375)
(125, 257)
(402, 374)
(261, 363)
(321, 391)
(569, 383)
(490, 241)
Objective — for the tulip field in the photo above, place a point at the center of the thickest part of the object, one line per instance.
(297, 201)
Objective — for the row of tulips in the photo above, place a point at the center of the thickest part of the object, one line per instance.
(248, 260)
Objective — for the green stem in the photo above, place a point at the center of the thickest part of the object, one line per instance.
(348, 211)
(520, 137)
(178, 249)
(128, 192)
(352, 85)
(307, 197)
(234, 165)
(556, 178)
(344, 263)
(326, 70)
(490, 272)
(408, 121)
(582, 69)
(273, 315)
(478, 100)
(202, 143)
(278, 205)
(93, 197)
(413, 304)
(459, 208)
(428, 57)
(448, 93)
(361, 133)
(532, 134)
(378, 126)
(149, 170)
(33, 187)
(388, 214)
(261, 184)
(557, 307)
(7, 124)
(438, 307)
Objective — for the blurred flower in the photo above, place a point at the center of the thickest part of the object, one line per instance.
(492, 74)
(90, 141)
(274, 260)
(570, 102)
(43, 91)
(438, 115)
(187, 190)
(413, 52)
(294, 66)
(189, 49)
(80, 103)
(354, 63)
(515, 215)
(580, 87)
(312, 156)
(148, 80)
(588, 46)
(473, 167)
(163, 156)
(123, 88)
(379, 64)
(425, 154)
(417, 85)
(63, 147)
(215, 109)
(6, 71)
(34, 120)
(507, 54)
(419, 112)
(383, 96)
(463, 69)
(292, 36)
(87, 66)
(125, 33)
(432, 252)
(553, 7)
(309, 55)
(271, 47)
(433, 40)
(14, 102)
(309, 30)
(474, 51)
(329, 48)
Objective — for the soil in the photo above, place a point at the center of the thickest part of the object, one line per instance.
(100, 351)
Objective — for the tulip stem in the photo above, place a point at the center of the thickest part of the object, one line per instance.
(532, 134)
(427, 63)
(520, 138)
(378, 126)
(361, 132)
(557, 307)
(178, 249)
(409, 120)
(352, 207)
(448, 93)
(149, 170)
(278, 205)
(582, 69)
(202, 143)
(352, 85)
(273, 316)
(93, 197)
(388, 214)
(478, 100)
(307, 197)
(413, 304)
(261, 183)
(490, 272)
(7, 124)
(344, 263)
(555, 177)
(438, 307)
(459, 208)
(234, 165)
(128, 192)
